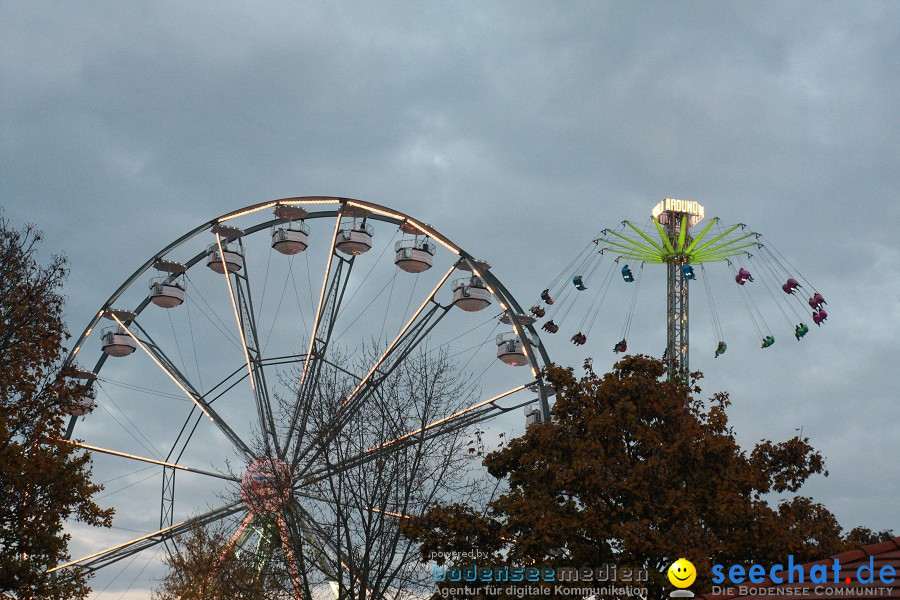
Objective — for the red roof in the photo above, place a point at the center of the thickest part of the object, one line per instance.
(882, 553)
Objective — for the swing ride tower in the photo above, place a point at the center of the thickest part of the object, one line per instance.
(677, 248)
(674, 232)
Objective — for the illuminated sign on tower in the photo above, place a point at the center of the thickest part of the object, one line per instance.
(673, 205)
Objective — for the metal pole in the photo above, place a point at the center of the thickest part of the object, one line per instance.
(677, 355)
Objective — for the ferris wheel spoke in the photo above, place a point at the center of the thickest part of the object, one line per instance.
(406, 340)
(150, 460)
(187, 433)
(191, 415)
(317, 321)
(310, 386)
(320, 439)
(295, 358)
(302, 540)
(334, 284)
(411, 334)
(319, 538)
(169, 368)
(100, 559)
(476, 413)
(251, 525)
(371, 509)
(289, 555)
(245, 317)
(248, 518)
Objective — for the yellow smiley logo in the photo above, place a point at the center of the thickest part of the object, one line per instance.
(682, 573)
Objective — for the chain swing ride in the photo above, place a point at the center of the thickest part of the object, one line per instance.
(668, 239)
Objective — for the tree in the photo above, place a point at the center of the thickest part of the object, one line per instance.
(637, 472)
(202, 567)
(42, 480)
(366, 503)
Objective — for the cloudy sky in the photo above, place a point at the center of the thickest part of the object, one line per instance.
(519, 130)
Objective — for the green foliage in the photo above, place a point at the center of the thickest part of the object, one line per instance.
(202, 566)
(42, 481)
(635, 471)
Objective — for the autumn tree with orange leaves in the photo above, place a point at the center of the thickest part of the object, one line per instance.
(637, 471)
(42, 481)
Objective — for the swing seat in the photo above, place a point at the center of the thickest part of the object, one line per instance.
(537, 311)
(791, 285)
(768, 341)
(550, 326)
(579, 339)
(801, 330)
(819, 316)
(720, 349)
(578, 283)
(816, 301)
(620, 346)
(545, 296)
(688, 271)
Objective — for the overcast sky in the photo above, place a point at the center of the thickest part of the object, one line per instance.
(519, 130)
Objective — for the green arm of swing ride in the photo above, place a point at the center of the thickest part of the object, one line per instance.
(723, 247)
(724, 254)
(731, 251)
(712, 222)
(632, 253)
(727, 252)
(642, 256)
(643, 259)
(645, 236)
(662, 234)
(655, 248)
(718, 237)
(632, 245)
(682, 232)
(640, 248)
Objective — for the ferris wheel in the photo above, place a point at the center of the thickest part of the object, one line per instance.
(244, 359)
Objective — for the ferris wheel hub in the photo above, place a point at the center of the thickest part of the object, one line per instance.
(266, 485)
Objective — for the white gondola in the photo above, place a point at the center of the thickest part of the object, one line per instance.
(510, 349)
(355, 238)
(234, 260)
(167, 292)
(117, 342)
(414, 256)
(85, 405)
(292, 239)
(471, 294)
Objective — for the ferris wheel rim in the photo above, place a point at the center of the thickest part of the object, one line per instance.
(479, 267)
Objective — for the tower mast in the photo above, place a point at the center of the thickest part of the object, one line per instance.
(674, 218)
